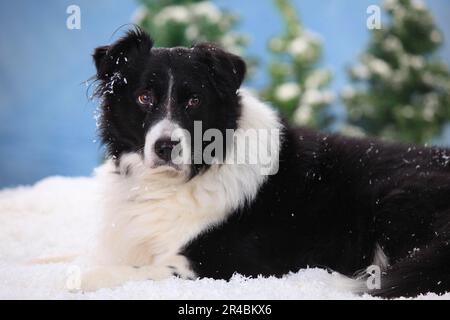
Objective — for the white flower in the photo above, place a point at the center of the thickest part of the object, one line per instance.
(139, 15)
(230, 41)
(435, 36)
(352, 131)
(429, 79)
(390, 4)
(179, 14)
(327, 96)
(379, 67)
(431, 105)
(312, 36)
(303, 114)
(287, 91)
(316, 97)
(391, 43)
(186, 14)
(416, 62)
(276, 44)
(208, 10)
(312, 97)
(418, 4)
(317, 78)
(407, 111)
(348, 92)
(299, 46)
(192, 32)
(399, 77)
(361, 71)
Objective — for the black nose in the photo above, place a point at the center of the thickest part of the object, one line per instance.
(164, 147)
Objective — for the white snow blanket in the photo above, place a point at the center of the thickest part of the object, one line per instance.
(59, 216)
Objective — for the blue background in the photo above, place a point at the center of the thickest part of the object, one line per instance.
(47, 124)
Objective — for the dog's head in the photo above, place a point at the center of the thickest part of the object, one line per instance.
(156, 101)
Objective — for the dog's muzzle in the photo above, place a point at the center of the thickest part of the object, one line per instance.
(164, 146)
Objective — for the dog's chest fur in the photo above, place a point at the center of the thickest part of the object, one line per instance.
(149, 215)
(149, 220)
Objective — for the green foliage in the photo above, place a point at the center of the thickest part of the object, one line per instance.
(296, 84)
(401, 90)
(186, 22)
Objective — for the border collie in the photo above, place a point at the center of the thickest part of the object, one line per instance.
(321, 201)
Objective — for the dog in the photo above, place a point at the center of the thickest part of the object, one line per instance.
(321, 200)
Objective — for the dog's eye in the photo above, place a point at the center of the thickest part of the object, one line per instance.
(146, 99)
(193, 102)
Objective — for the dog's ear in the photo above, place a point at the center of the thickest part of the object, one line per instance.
(98, 56)
(113, 58)
(227, 69)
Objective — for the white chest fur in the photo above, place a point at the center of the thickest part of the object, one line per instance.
(150, 215)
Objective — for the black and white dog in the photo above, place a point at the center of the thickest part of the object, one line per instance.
(327, 201)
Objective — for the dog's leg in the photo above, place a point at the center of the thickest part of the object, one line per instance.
(54, 259)
(112, 276)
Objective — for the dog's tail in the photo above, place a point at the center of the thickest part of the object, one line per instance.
(426, 269)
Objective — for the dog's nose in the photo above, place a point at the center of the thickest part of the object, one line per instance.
(164, 147)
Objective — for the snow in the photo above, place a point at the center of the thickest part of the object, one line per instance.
(59, 215)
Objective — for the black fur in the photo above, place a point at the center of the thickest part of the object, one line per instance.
(131, 65)
(333, 200)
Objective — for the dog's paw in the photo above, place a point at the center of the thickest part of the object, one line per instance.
(101, 277)
(113, 276)
(180, 267)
